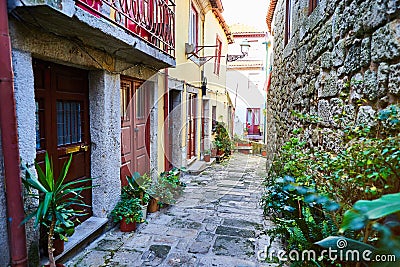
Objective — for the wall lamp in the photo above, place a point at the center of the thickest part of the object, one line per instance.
(192, 53)
(244, 48)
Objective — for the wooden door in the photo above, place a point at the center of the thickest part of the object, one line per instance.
(253, 121)
(191, 126)
(135, 137)
(62, 121)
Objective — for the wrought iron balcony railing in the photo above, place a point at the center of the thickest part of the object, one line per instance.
(151, 20)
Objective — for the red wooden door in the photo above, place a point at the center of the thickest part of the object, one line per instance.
(253, 121)
(135, 138)
(191, 126)
(62, 121)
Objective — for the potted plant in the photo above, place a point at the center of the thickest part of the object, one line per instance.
(61, 234)
(153, 205)
(137, 187)
(58, 202)
(207, 155)
(219, 146)
(167, 188)
(128, 212)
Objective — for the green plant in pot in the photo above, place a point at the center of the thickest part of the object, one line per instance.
(170, 186)
(128, 211)
(137, 187)
(58, 203)
(222, 140)
(154, 197)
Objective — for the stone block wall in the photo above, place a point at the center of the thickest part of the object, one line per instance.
(343, 58)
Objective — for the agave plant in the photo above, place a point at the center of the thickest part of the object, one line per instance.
(58, 201)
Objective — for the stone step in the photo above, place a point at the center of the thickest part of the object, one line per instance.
(197, 167)
(84, 234)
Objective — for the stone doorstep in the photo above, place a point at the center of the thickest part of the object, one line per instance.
(197, 167)
(191, 161)
(212, 161)
(84, 234)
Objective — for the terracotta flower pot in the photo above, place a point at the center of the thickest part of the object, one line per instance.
(207, 158)
(153, 205)
(264, 153)
(213, 152)
(127, 227)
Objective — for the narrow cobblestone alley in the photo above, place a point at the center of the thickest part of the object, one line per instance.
(217, 222)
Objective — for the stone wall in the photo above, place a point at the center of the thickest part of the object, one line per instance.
(343, 58)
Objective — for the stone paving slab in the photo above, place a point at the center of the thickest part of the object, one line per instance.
(217, 222)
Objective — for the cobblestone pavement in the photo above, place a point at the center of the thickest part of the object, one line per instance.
(217, 222)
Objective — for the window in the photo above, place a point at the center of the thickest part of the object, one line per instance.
(125, 93)
(218, 51)
(39, 112)
(69, 123)
(289, 19)
(140, 100)
(312, 5)
(193, 26)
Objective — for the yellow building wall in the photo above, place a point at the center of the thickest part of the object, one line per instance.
(216, 83)
(185, 69)
(214, 29)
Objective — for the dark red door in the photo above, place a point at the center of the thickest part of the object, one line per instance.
(191, 126)
(135, 138)
(62, 121)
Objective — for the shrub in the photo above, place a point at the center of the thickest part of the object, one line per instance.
(308, 189)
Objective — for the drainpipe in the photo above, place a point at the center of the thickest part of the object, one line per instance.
(9, 139)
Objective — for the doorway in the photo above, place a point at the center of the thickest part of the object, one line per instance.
(191, 126)
(62, 126)
(135, 128)
(62, 122)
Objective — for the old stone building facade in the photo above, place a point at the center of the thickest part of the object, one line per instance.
(331, 57)
(82, 87)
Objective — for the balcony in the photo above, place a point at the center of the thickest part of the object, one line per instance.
(151, 20)
(138, 31)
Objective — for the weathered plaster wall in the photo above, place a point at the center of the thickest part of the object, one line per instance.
(25, 103)
(4, 251)
(344, 57)
(105, 132)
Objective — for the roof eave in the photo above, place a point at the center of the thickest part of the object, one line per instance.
(270, 14)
